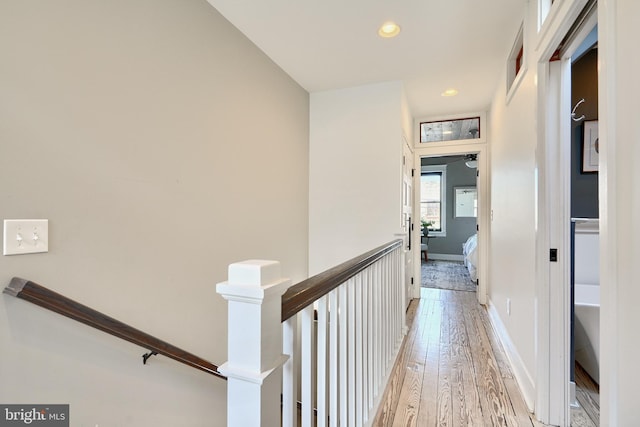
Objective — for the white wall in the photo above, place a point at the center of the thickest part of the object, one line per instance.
(512, 158)
(355, 179)
(512, 238)
(619, 211)
(162, 146)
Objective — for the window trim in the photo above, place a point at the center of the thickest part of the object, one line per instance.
(443, 197)
(438, 144)
(516, 64)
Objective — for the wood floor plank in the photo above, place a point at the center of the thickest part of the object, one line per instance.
(470, 413)
(519, 408)
(579, 418)
(427, 414)
(482, 373)
(445, 410)
(409, 401)
(454, 370)
(588, 396)
(390, 398)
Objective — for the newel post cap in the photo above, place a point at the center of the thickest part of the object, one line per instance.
(252, 280)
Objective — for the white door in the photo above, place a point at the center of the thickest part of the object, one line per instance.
(407, 221)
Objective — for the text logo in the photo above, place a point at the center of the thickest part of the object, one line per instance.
(34, 415)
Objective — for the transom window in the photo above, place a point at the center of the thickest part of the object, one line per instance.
(450, 130)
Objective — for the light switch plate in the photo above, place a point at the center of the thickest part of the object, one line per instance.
(25, 236)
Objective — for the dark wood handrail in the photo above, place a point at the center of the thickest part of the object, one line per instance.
(306, 292)
(39, 295)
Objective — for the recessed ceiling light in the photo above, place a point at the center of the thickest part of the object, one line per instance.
(449, 92)
(389, 29)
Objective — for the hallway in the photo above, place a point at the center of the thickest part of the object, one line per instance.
(452, 370)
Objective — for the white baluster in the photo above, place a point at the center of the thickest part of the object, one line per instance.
(359, 360)
(333, 359)
(307, 357)
(377, 333)
(342, 350)
(384, 283)
(322, 402)
(370, 305)
(351, 352)
(289, 382)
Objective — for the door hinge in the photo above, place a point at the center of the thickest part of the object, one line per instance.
(413, 171)
(412, 280)
(477, 227)
(477, 174)
(553, 255)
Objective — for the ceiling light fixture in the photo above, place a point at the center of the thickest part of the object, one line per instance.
(389, 29)
(449, 92)
(471, 160)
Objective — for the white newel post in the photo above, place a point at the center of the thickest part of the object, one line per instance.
(254, 366)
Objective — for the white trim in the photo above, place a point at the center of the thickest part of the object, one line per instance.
(522, 376)
(442, 169)
(514, 79)
(516, 83)
(484, 203)
(542, 266)
(553, 218)
(610, 343)
(544, 6)
(556, 26)
(446, 257)
(483, 130)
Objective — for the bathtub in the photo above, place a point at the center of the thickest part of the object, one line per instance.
(587, 329)
(587, 298)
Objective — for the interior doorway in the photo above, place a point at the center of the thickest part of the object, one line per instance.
(457, 155)
(448, 219)
(584, 359)
(555, 236)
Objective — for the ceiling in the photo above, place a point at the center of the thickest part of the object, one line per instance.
(332, 44)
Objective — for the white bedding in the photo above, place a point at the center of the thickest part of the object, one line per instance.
(470, 253)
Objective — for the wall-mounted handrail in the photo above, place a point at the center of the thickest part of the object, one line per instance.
(46, 298)
(306, 292)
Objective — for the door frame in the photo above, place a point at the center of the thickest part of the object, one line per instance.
(553, 166)
(411, 284)
(453, 149)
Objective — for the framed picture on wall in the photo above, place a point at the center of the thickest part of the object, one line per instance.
(590, 147)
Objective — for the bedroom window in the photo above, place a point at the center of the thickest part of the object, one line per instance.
(433, 198)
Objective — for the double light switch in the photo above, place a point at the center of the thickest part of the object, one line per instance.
(25, 236)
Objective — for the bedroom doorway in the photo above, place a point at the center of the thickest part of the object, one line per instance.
(448, 218)
(451, 157)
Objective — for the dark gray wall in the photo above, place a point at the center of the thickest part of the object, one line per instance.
(458, 229)
(584, 84)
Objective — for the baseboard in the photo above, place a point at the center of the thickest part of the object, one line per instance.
(524, 380)
(573, 401)
(446, 257)
(374, 412)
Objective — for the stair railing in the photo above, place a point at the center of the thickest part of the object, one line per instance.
(46, 298)
(343, 327)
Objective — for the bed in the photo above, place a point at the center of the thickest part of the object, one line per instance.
(470, 254)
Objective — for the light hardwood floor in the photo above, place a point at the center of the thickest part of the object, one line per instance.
(451, 370)
(587, 414)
